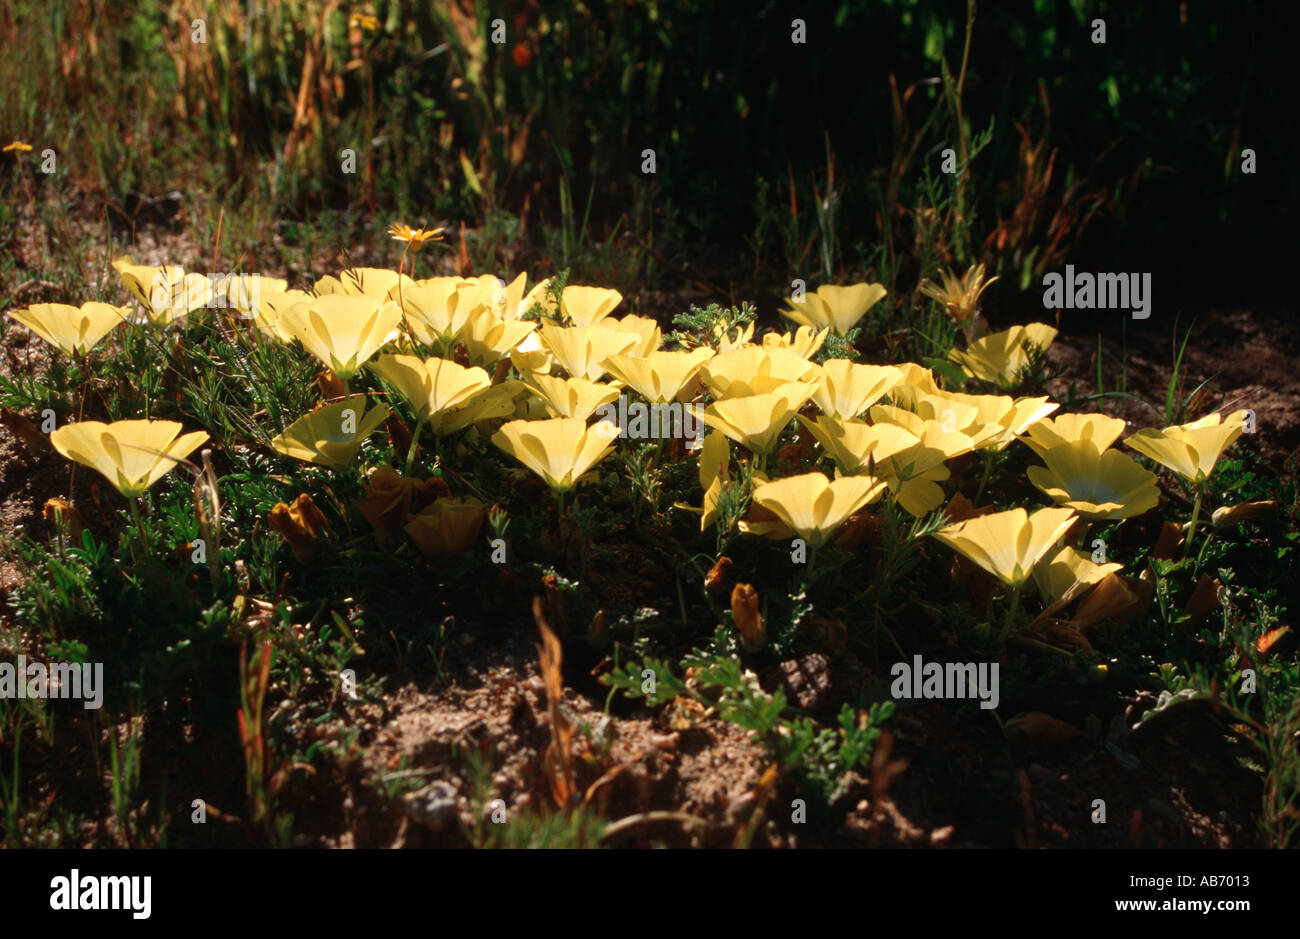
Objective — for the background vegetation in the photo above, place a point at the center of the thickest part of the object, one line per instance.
(821, 157)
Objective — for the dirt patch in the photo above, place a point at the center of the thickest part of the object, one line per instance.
(1247, 358)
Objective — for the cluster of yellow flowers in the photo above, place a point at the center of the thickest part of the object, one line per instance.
(886, 428)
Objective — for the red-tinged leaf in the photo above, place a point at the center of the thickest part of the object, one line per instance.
(1266, 642)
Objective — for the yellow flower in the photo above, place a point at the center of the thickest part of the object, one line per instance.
(1066, 428)
(1096, 485)
(166, 293)
(497, 401)
(751, 370)
(364, 21)
(132, 455)
(1069, 567)
(715, 459)
(432, 385)
(1000, 357)
(17, 146)
(238, 291)
(439, 308)
(723, 342)
(942, 414)
(511, 302)
(1190, 450)
(660, 376)
(342, 330)
(991, 421)
(447, 528)
(914, 473)
(1023, 414)
(73, 330)
(836, 308)
(586, 306)
(270, 312)
(917, 376)
(756, 421)
(571, 397)
(488, 337)
(848, 389)
(814, 506)
(959, 295)
(1008, 544)
(379, 283)
(647, 331)
(853, 444)
(804, 343)
(414, 236)
(559, 450)
(331, 435)
(581, 351)
(531, 357)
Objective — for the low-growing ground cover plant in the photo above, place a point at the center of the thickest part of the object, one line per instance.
(360, 433)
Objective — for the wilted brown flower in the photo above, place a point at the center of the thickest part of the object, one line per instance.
(790, 456)
(960, 509)
(329, 385)
(1061, 633)
(1203, 599)
(1120, 599)
(719, 575)
(1041, 728)
(1171, 536)
(25, 430)
(301, 524)
(399, 435)
(63, 516)
(1242, 512)
(826, 632)
(744, 610)
(447, 528)
(861, 527)
(391, 497)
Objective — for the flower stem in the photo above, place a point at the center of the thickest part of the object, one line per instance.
(1196, 514)
(984, 477)
(410, 451)
(812, 559)
(1013, 606)
(139, 524)
(400, 264)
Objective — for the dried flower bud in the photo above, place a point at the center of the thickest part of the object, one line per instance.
(301, 524)
(744, 610)
(719, 575)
